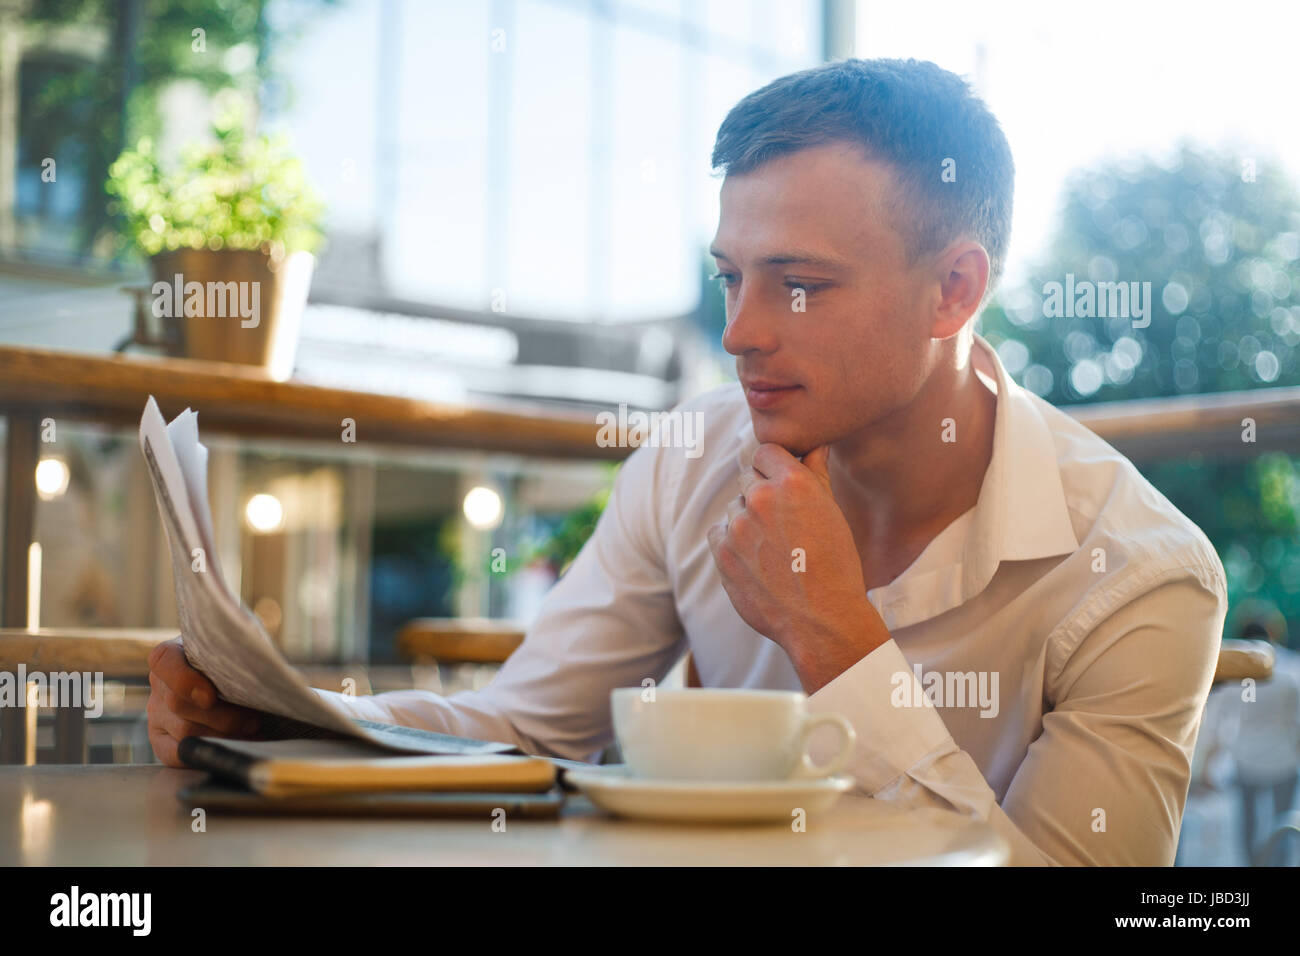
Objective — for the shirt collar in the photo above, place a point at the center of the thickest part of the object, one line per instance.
(1021, 513)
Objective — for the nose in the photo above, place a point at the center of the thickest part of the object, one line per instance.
(748, 329)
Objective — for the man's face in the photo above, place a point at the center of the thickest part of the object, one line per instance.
(818, 220)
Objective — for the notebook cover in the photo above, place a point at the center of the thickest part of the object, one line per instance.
(219, 796)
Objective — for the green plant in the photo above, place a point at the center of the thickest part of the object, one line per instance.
(239, 192)
(572, 533)
(557, 548)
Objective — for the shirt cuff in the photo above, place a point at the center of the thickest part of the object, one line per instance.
(896, 724)
(365, 707)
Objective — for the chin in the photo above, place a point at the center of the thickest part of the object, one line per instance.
(790, 436)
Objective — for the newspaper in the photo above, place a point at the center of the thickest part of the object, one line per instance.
(222, 637)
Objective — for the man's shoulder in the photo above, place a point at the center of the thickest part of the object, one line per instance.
(1141, 562)
(1134, 534)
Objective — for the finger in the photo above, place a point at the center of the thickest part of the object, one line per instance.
(716, 535)
(163, 720)
(158, 649)
(773, 461)
(818, 462)
(164, 748)
(222, 717)
(749, 480)
(735, 507)
(175, 671)
(178, 728)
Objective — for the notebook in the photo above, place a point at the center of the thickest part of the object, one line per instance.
(279, 768)
(215, 795)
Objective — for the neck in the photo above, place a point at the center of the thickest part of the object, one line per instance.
(899, 483)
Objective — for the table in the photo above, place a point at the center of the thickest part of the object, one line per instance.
(129, 815)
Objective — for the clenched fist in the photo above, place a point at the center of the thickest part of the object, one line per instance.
(183, 703)
(789, 563)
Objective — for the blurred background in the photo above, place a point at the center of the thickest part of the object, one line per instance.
(505, 205)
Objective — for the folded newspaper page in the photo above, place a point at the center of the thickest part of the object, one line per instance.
(223, 638)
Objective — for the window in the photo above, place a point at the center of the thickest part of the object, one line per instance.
(547, 158)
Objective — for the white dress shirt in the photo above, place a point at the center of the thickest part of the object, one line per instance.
(1092, 602)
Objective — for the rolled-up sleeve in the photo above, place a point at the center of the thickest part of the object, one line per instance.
(610, 621)
(1106, 780)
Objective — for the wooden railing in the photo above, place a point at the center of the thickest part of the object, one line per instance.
(1223, 424)
(36, 384)
(239, 400)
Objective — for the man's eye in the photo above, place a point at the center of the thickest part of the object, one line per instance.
(728, 278)
(809, 288)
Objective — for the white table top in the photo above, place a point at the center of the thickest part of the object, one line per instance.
(129, 815)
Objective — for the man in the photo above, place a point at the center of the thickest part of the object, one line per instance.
(1018, 625)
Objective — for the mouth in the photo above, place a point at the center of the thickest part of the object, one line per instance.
(762, 394)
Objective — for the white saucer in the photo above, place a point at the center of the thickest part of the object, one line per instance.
(614, 790)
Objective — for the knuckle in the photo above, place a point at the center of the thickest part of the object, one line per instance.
(164, 748)
(168, 723)
(187, 728)
(164, 667)
(796, 480)
(742, 529)
(161, 650)
(171, 700)
(726, 561)
(722, 550)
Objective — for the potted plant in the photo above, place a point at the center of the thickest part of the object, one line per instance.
(230, 235)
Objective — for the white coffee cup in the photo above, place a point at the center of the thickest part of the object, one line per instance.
(721, 734)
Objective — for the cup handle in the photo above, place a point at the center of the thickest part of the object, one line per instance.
(806, 769)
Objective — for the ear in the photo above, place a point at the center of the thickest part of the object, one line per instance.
(963, 272)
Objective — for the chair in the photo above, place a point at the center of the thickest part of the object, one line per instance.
(450, 640)
(114, 652)
(1238, 660)
(1290, 827)
(1243, 659)
(446, 640)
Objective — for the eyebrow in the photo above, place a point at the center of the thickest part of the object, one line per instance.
(791, 257)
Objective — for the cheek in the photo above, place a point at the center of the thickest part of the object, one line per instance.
(865, 351)
(871, 367)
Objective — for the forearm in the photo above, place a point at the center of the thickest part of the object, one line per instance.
(1054, 811)
(470, 714)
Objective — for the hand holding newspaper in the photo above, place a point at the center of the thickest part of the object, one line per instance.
(223, 638)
